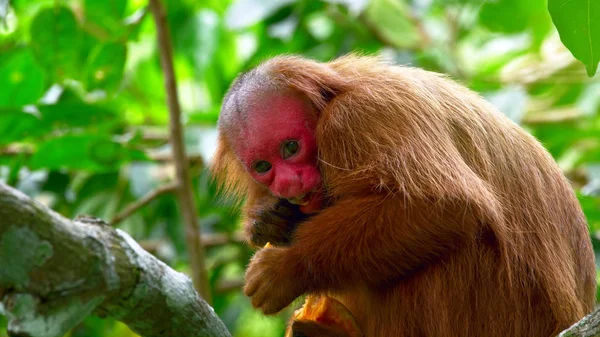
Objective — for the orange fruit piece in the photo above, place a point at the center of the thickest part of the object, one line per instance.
(329, 312)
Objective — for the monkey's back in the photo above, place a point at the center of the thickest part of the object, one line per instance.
(417, 136)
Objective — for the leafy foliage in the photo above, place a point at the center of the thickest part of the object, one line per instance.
(577, 22)
(83, 119)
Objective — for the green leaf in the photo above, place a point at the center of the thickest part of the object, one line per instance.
(209, 117)
(514, 16)
(559, 138)
(107, 15)
(591, 155)
(96, 153)
(578, 24)
(392, 22)
(21, 79)
(71, 114)
(16, 125)
(591, 209)
(105, 66)
(55, 41)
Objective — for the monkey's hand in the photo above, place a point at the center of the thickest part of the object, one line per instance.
(271, 282)
(274, 222)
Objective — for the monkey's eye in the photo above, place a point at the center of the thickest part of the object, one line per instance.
(290, 148)
(262, 166)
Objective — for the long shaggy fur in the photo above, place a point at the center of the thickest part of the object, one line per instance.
(447, 219)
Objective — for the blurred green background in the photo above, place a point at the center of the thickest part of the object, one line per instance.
(84, 124)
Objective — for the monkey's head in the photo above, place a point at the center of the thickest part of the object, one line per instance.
(271, 130)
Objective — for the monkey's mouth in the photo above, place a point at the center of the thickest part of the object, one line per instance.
(302, 200)
(309, 202)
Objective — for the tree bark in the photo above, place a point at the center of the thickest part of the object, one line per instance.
(589, 326)
(54, 272)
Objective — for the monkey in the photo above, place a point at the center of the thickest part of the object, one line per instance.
(406, 197)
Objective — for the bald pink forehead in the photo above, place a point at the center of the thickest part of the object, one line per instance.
(272, 108)
(272, 119)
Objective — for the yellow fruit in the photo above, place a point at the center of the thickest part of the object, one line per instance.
(329, 312)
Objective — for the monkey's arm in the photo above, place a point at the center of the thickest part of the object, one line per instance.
(376, 240)
(365, 240)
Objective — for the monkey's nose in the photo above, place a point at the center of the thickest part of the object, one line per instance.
(289, 187)
(294, 189)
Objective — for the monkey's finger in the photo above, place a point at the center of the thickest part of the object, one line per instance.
(250, 287)
(272, 308)
(253, 280)
(274, 305)
(260, 297)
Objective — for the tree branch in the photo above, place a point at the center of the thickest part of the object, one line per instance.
(166, 157)
(54, 272)
(184, 192)
(589, 326)
(145, 200)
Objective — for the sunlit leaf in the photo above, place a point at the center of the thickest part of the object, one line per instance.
(579, 28)
(320, 26)
(83, 152)
(16, 125)
(204, 117)
(105, 66)
(354, 6)
(591, 208)
(55, 40)
(245, 13)
(73, 114)
(560, 137)
(513, 16)
(391, 21)
(106, 15)
(21, 79)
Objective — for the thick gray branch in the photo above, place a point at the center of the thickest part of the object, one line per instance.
(54, 272)
(589, 326)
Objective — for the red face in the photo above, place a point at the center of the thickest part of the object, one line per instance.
(279, 150)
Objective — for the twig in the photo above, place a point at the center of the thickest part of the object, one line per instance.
(225, 286)
(210, 240)
(166, 157)
(143, 201)
(220, 239)
(553, 116)
(452, 19)
(184, 192)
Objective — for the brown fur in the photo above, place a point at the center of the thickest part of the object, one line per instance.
(446, 219)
